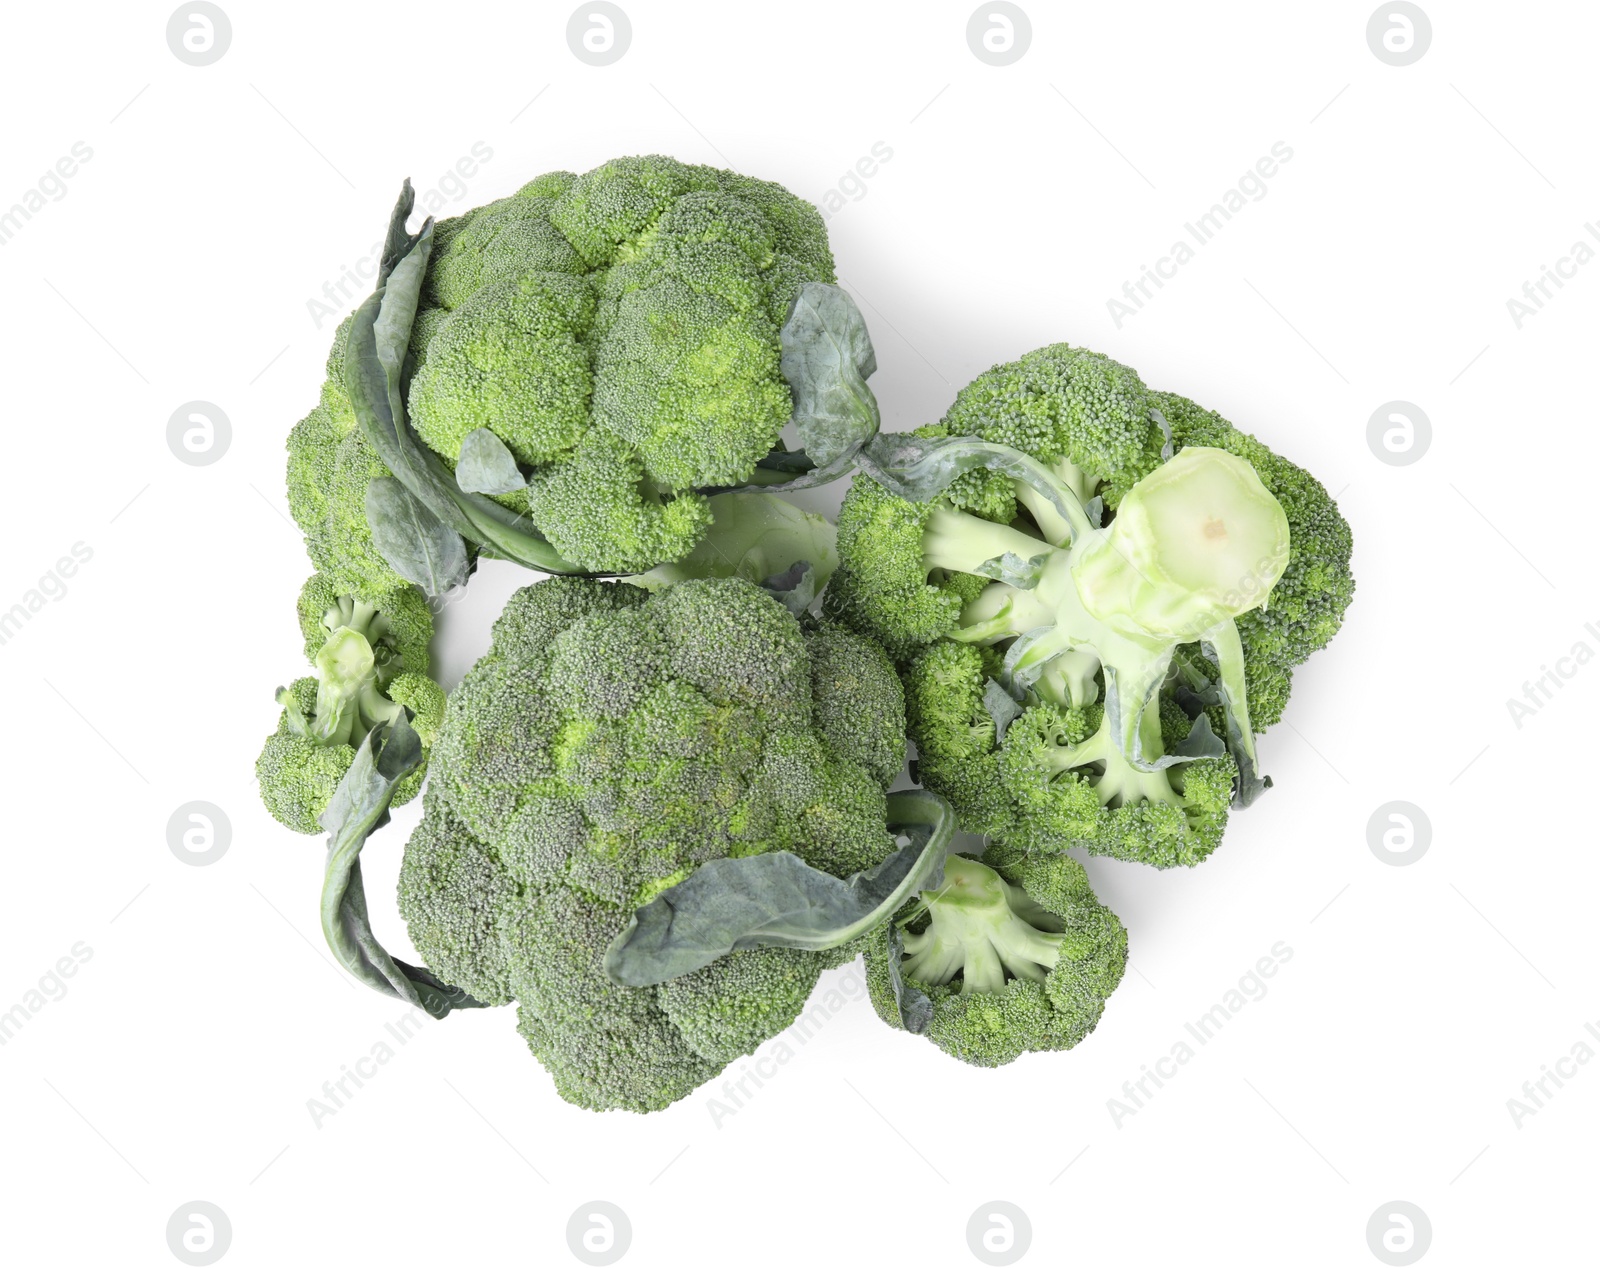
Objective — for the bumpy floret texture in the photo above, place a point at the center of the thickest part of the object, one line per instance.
(1036, 973)
(610, 742)
(330, 467)
(619, 332)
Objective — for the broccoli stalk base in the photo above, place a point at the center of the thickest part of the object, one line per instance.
(980, 928)
(1116, 602)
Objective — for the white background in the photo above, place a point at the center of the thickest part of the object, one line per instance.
(179, 265)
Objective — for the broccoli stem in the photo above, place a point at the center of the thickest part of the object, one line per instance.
(982, 928)
(959, 542)
(1069, 679)
(1120, 781)
(1075, 489)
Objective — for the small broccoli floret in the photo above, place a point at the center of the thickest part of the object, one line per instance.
(597, 508)
(399, 629)
(1014, 953)
(1137, 651)
(298, 778)
(885, 585)
(619, 332)
(371, 666)
(610, 742)
(1061, 405)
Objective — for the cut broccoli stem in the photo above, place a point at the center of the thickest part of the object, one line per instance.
(983, 929)
(960, 542)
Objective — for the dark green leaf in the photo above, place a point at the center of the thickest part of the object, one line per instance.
(827, 357)
(412, 540)
(360, 806)
(999, 705)
(910, 1001)
(779, 900)
(1201, 741)
(379, 335)
(795, 587)
(486, 465)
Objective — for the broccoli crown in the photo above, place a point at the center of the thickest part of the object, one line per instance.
(330, 466)
(371, 663)
(1219, 569)
(1015, 954)
(618, 331)
(610, 742)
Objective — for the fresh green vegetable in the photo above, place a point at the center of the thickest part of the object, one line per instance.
(371, 668)
(657, 809)
(1002, 956)
(610, 743)
(1067, 682)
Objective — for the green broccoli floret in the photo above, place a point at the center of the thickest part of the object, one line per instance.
(401, 628)
(619, 332)
(610, 742)
(1134, 651)
(330, 467)
(371, 663)
(1014, 953)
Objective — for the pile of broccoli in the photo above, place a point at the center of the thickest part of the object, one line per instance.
(672, 793)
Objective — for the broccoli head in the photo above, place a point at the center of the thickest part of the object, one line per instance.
(610, 742)
(619, 332)
(1014, 954)
(370, 664)
(1084, 647)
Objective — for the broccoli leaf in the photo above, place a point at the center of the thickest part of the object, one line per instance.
(485, 465)
(919, 469)
(910, 1002)
(779, 900)
(756, 537)
(374, 354)
(1001, 707)
(1223, 648)
(360, 806)
(826, 357)
(411, 539)
(795, 587)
